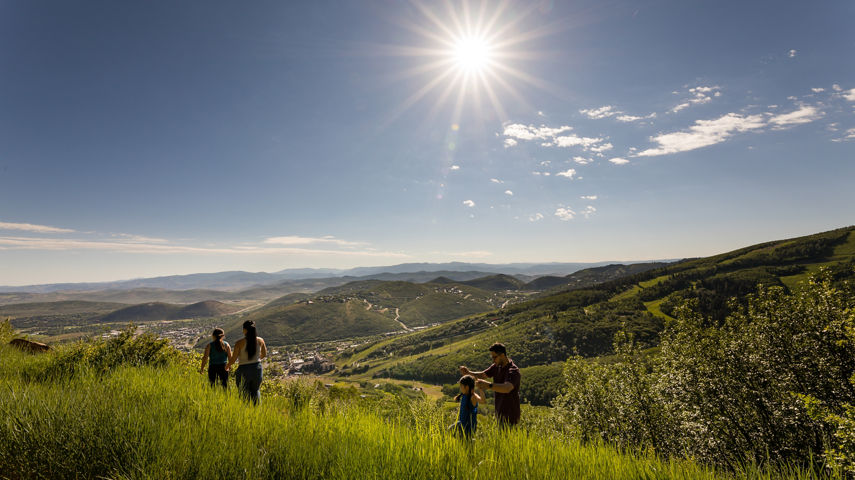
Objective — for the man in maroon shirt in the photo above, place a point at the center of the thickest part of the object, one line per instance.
(505, 384)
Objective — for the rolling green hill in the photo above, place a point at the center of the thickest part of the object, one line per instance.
(584, 320)
(149, 312)
(320, 319)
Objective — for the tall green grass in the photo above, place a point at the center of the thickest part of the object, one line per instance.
(132, 421)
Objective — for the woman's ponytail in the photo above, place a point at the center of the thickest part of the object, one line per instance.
(251, 338)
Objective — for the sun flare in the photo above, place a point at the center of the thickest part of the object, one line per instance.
(471, 54)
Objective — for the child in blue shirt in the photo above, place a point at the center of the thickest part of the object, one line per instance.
(469, 397)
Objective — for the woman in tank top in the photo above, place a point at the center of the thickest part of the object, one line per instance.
(217, 355)
(248, 352)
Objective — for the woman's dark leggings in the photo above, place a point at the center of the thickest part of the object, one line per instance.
(218, 372)
(248, 380)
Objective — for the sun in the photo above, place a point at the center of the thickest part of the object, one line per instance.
(472, 54)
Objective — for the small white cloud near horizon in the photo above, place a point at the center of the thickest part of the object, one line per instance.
(509, 193)
(619, 161)
(510, 142)
(469, 203)
(817, 90)
(850, 95)
(455, 167)
(589, 211)
(536, 217)
(298, 240)
(588, 197)
(496, 180)
(565, 213)
(836, 87)
(29, 227)
(583, 160)
(792, 53)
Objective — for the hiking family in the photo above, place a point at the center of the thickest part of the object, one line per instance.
(251, 349)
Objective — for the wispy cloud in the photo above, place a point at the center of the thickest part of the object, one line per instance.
(817, 90)
(510, 142)
(589, 211)
(551, 136)
(703, 133)
(791, 53)
(847, 135)
(634, 118)
(588, 197)
(535, 217)
(836, 87)
(469, 203)
(29, 227)
(602, 112)
(67, 244)
(805, 114)
(455, 167)
(619, 161)
(565, 213)
(850, 95)
(298, 240)
(569, 173)
(583, 160)
(530, 132)
(698, 96)
(509, 193)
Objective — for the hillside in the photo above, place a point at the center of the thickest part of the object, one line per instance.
(584, 320)
(154, 311)
(320, 319)
(495, 283)
(591, 276)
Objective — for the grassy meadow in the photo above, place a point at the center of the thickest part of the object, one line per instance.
(108, 411)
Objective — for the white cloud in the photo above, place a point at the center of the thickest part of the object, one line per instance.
(583, 160)
(588, 197)
(602, 112)
(536, 217)
(509, 193)
(530, 132)
(850, 95)
(601, 148)
(699, 95)
(570, 173)
(565, 213)
(139, 238)
(817, 90)
(455, 167)
(703, 133)
(619, 161)
(65, 244)
(836, 88)
(469, 203)
(297, 240)
(496, 180)
(536, 173)
(791, 53)
(848, 135)
(510, 142)
(575, 140)
(588, 211)
(29, 227)
(805, 114)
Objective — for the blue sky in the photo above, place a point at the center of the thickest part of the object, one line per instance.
(154, 138)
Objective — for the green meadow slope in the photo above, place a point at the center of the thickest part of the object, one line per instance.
(551, 328)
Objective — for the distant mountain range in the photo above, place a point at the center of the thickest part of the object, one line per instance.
(239, 280)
